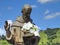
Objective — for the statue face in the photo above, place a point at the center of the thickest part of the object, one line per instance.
(26, 11)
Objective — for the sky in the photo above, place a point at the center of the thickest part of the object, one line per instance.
(45, 13)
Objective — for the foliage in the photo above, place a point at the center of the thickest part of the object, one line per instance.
(50, 36)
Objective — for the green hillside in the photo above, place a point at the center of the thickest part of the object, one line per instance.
(50, 37)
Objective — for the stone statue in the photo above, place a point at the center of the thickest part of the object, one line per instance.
(15, 35)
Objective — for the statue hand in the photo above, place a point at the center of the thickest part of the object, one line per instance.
(6, 26)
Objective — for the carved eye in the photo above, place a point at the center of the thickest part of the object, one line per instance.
(14, 30)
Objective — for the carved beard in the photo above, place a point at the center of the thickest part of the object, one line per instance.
(26, 18)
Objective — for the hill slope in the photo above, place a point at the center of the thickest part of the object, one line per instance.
(50, 37)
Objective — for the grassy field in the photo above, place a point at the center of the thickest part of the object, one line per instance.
(4, 42)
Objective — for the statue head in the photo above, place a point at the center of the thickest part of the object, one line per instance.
(26, 11)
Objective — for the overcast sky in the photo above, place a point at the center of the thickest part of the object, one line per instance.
(45, 13)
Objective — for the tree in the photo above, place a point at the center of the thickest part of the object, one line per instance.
(3, 37)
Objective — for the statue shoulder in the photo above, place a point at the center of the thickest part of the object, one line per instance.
(18, 22)
(20, 19)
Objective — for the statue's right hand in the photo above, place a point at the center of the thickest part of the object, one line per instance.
(6, 26)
